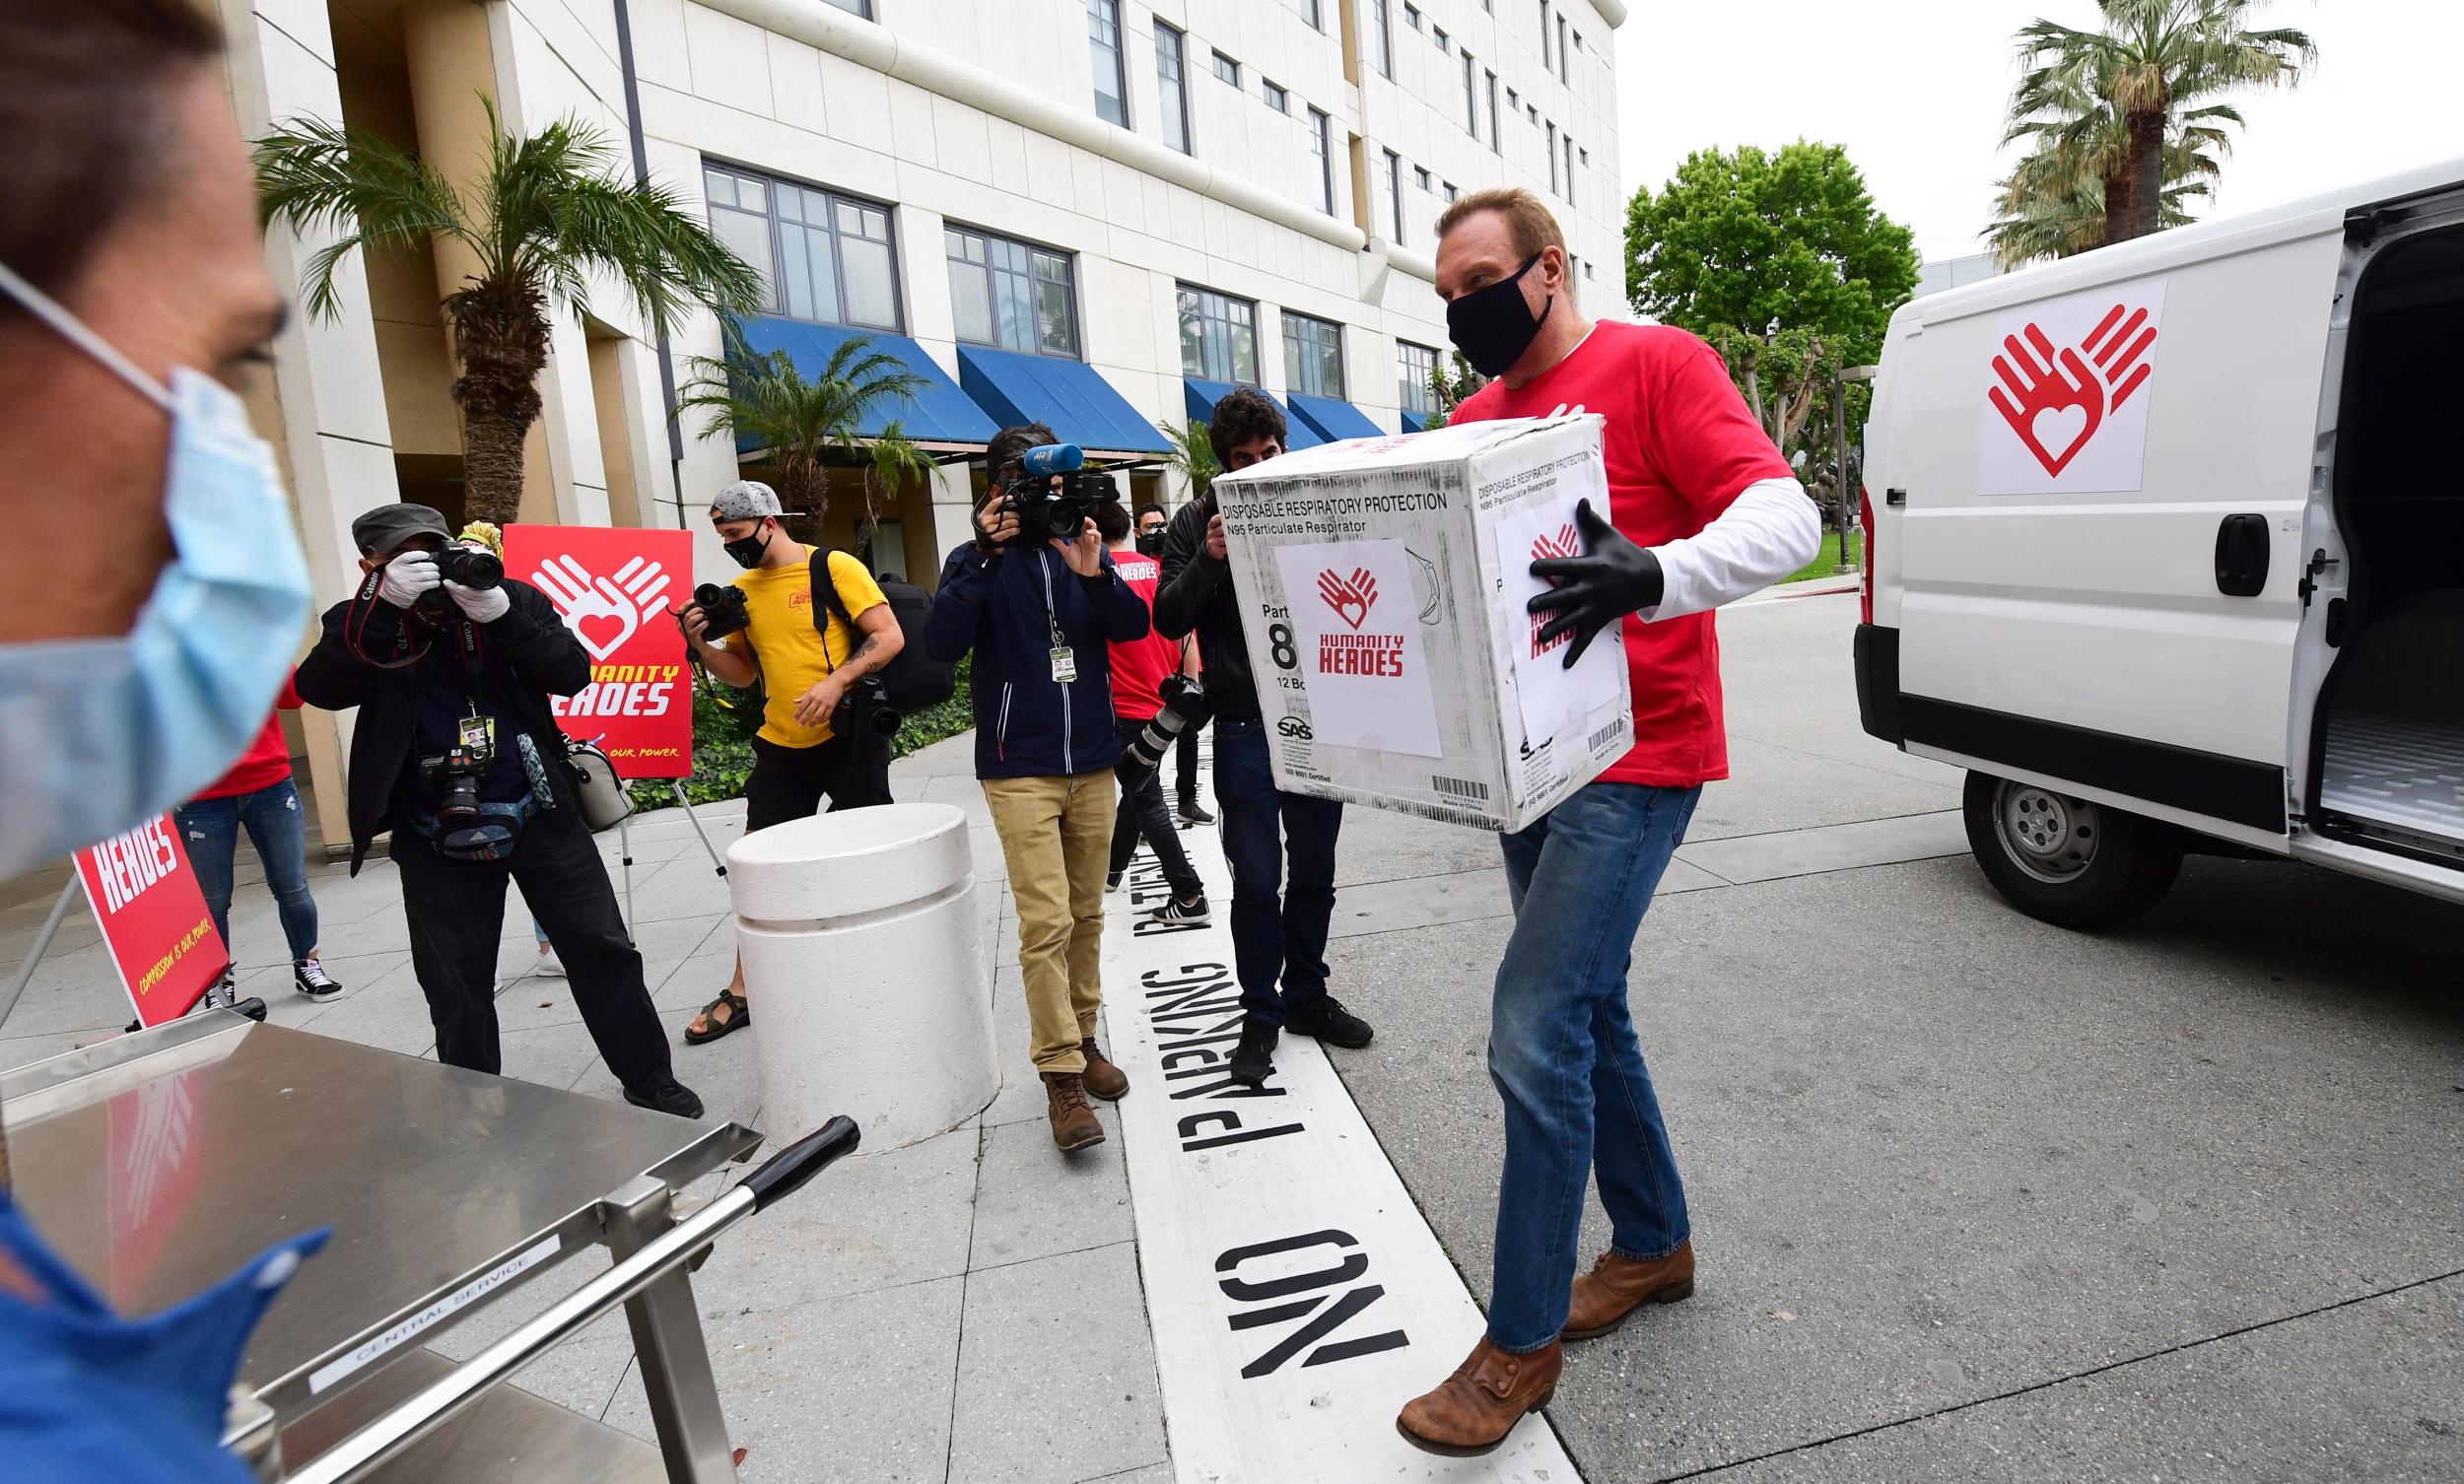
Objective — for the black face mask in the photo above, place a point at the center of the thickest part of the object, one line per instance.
(1494, 326)
(1152, 543)
(748, 552)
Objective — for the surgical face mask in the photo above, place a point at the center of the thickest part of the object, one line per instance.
(97, 735)
(748, 552)
(1494, 326)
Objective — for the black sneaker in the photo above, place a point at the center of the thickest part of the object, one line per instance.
(1253, 1060)
(223, 993)
(1326, 1018)
(309, 978)
(1193, 815)
(666, 1094)
(1193, 913)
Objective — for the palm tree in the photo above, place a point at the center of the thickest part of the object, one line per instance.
(548, 213)
(2039, 221)
(2118, 99)
(895, 460)
(1194, 454)
(806, 422)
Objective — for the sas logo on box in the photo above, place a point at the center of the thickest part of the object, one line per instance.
(2067, 394)
(1355, 653)
(1563, 542)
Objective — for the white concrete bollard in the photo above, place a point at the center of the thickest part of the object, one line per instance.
(870, 992)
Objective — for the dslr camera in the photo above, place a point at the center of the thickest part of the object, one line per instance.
(474, 566)
(452, 776)
(865, 707)
(723, 609)
(1053, 493)
(1184, 706)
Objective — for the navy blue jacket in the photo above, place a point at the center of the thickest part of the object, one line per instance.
(1004, 607)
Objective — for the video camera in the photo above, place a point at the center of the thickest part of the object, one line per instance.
(1052, 493)
(722, 609)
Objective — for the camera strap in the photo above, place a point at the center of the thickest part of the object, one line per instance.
(827, 604)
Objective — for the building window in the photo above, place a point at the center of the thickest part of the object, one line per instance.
(1314, 10)
(1218, 336)
(1103, 37)
(1011, 294)
(1322, 145)
(862, 8)
(1438, 34)
(1471, 97)
(1227, 69)
(1420, 178)
(1497, 141)
(1451, 192)
(822, 256)
(1565, 67)
(1554, 186)
(1578, 41)
(1415, 366)
(1313, 356)
(1395, 194)
(1543, 4)
(1383, 23)
(1411, 15)
(1569, 146)
(1276, 99)
(1532, 111)
(1172, 88)
(1586, 156)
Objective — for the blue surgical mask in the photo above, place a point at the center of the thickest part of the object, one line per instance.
(97, 735)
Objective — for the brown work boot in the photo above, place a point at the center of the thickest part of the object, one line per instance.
(1103, 1079)
(1064, 1103)
(1479, 1404)
(1615, 1286)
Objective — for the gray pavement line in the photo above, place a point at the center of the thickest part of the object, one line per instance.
(958, 1348)
(1879, 819)
(1807, 752)
(2059, 1380)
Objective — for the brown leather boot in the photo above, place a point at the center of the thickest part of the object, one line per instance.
(1064, 1103)
(1616, 1286)
(1479, 1404)
(1103, 1079)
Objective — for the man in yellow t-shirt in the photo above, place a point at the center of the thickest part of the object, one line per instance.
(809, 662)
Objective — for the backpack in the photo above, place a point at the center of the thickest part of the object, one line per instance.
(913, 680)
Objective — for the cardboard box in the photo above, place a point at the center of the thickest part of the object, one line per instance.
(1384, 583)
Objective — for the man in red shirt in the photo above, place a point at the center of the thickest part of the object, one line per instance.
(257, 793)
(1140, 669)
(1702, 510)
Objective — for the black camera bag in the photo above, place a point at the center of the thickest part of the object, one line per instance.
(913, 679)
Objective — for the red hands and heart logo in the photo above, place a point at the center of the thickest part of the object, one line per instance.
(1565, 541)
(1350, 597)
(2055, 398)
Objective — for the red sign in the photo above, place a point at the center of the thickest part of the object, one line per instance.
(2055, 398)
(153, 920)
(615, 588)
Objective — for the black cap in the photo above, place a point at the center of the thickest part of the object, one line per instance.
(388, 526)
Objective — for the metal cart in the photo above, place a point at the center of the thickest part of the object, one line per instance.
(159, 1162)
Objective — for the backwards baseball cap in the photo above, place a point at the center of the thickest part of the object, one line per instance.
(745, 499)
(387, 527)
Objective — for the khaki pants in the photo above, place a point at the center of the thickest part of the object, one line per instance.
(1056, 837)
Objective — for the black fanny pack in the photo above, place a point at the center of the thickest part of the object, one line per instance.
(492, 831)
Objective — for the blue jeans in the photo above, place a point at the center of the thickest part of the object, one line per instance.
(1563, 1055)
(210, 832)
(1276, 933)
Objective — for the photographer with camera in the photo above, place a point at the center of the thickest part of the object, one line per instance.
(1154, 528)
(1039, 601)
(817, 648)
(1276, 932)
(457, 752)
(1148, 677)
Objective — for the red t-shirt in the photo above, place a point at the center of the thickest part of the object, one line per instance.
(267, 761)
(1142, 665)
(1680, 448)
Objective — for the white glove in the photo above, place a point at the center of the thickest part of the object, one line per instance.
(481, 605)
(409, 578)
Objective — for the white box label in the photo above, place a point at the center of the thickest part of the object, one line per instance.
(1549, 696)
(1357, 625)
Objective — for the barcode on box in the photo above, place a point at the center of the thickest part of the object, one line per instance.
(1605, 737)
(1461, 788)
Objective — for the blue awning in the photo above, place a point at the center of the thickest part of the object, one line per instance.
(1333, 419)
(1202, 395)
(939, 414)
(1070, 397)
(1414, 422)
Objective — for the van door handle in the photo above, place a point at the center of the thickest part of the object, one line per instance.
(2241, 556)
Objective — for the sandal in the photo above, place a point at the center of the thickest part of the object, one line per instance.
(740, 1014)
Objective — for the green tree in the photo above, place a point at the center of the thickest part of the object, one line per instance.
(2117, 103)
(1194, 456)
(894, 460)
(806, 423)
(1451, 380)
(547, 214)
(2041, 221)
(1780, 260)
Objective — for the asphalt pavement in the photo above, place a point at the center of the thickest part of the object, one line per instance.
(1973, 1198)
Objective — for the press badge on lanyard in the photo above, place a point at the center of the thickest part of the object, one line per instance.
(1065, 664)
(479, 734)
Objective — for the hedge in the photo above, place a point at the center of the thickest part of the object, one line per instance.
(724, 721)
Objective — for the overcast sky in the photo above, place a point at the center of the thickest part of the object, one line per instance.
(1918, 90)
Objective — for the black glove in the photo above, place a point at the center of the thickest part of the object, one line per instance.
(1610, 579)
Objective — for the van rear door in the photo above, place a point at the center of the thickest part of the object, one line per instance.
(2106, 464)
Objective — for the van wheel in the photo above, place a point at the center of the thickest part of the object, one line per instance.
(2068, 861)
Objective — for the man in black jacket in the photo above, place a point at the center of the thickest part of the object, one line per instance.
(1275, 932)
(460, 676)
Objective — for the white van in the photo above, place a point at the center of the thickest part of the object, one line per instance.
(2165, 546)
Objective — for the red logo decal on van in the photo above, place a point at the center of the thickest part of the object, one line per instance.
(1352, 597)
(2055, 398)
